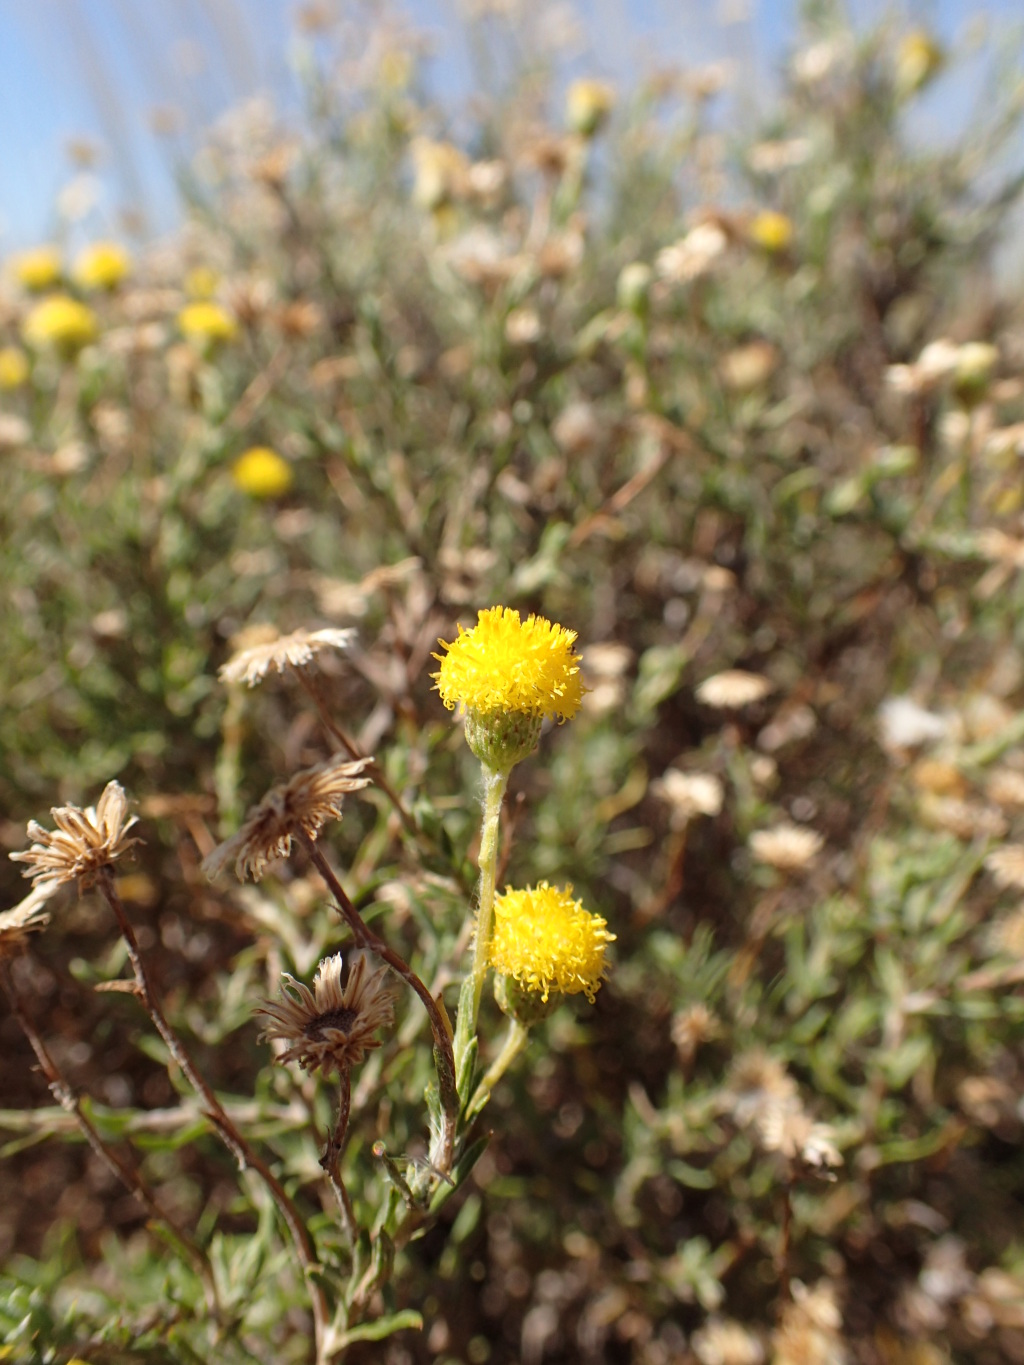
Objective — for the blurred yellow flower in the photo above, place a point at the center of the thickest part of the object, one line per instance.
(918, 59)
(201, 282)
(504, 664)
(37, 269)
(101, 265)
(13, 367)
(262, 473)
(587, 106)
(771, 231)
(545, 941)
(440, 173)
(206, 323)
(61, 322)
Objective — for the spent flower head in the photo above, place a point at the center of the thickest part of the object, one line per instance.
(509, 675)
(330, 1027)
(84, 842)
(252, 662)
(25, 918)
(545, 941)
(305, 804)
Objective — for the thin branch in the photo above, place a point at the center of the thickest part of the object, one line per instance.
(62, 1092)
(217, 1115)
(331, 1159)
(443, 1053)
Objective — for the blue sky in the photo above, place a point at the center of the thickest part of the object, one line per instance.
(97, 69)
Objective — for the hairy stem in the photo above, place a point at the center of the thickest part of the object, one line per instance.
(515, 1040)
(469, 1002)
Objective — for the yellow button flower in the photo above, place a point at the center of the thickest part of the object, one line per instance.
(262, 473)
(60, 322)
(771, 231)
(509, 675)
(918, 59)
(587, 105)
(37, 269)
(13, 367)
(206, 323)
(201, 282)
(545, 941)
(505, 664)
(102, 265)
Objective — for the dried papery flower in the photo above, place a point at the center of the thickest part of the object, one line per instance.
(762, 1096)
(905, 725)
(693, 1025)
(724, 1342)
(688, 794)
(1007, 865)
(84, 842)
(693, 255)
(732, 689)
(810, 1329)
(786, 847)
(965, 819)
(331, 1027)
(253, 661)
(25, 918)
(305, 804)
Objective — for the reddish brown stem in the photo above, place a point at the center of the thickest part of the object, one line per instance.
(331, 1159)
(120, 1169)
(443, 1052)
(215, 1112)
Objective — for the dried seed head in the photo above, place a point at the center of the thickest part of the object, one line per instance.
(1007, 865)
(83, 842)
(253, 661)
(733, 688)
(25, 918)
(306, 803)
(330, 1027)
(787, 847)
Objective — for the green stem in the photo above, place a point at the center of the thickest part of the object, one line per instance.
(469, 1002)
(515, 1040)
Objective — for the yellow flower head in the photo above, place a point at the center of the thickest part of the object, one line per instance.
(204, 323)
(771, 231)
(918, 59)
(510, 675)
(545, 941)
(505, 664)
(201, 282)
(440, 172)
(102, 265)
(587, 106)
(37, 269)
(61, 322)
(13, 367)
(262, 473)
